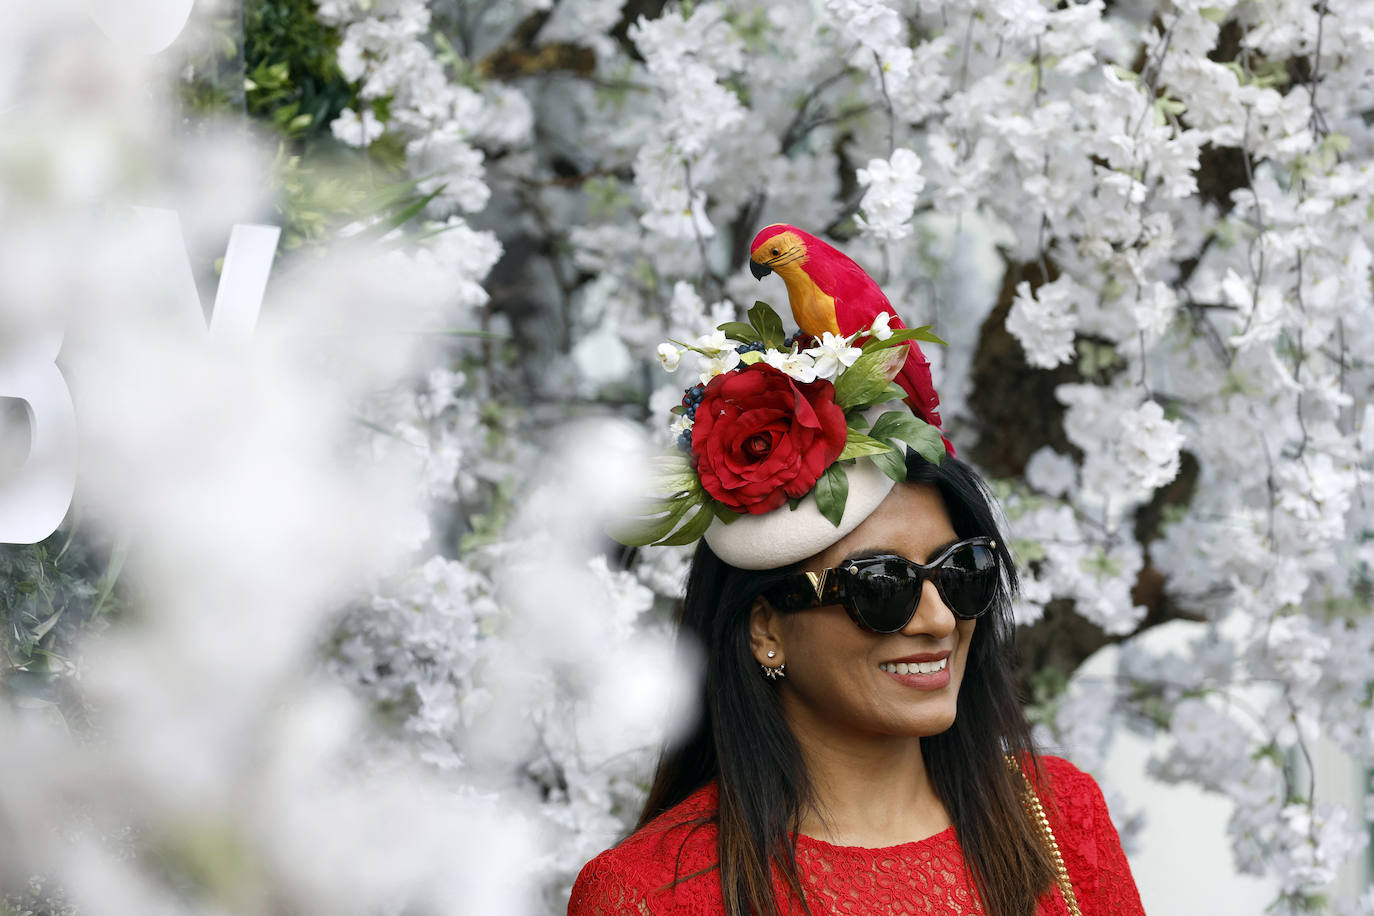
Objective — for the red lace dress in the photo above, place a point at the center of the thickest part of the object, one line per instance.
(926, 876)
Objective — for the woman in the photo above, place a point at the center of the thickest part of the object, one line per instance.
(861, 749)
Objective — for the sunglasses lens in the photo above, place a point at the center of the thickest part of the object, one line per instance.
(885, 593)
(968, 579)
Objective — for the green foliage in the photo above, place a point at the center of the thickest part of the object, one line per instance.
(753, 28)
(768, 326)
(738, 330)
(857, 445)
(293, 78)
(867, 381)
(892, 464)
(50, 592)
(606, 197)
(291, 83)
(1098, 361)
(320, 194)
(39, 898)
(489, 527)
(923, 333)
(1099, 565)
(1047, 686)
(832, 492)
(211, 83)
(680, 492)
(921, 436)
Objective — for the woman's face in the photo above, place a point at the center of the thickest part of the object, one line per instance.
(836, 682)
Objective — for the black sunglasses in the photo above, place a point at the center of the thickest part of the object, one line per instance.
(881, 593)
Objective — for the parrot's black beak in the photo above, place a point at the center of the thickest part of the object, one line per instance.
(759, 270)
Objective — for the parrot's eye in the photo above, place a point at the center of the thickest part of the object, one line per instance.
(776, 252)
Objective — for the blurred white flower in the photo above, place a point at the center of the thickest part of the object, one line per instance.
(355, 130)
(1154, 308)
(1044, 321)
(1050, 472)
(890, 199)
(1295, 651)
(1149, 447)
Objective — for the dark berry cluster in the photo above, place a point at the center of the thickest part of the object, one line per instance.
(755, 347)
(691, 399)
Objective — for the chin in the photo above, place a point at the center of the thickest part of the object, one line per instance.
(927, 722)
(937, 726)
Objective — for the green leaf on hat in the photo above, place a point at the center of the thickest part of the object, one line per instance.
(726, 515)
(692, 529)
(893, 392)
(920, 435)
(893, 464)
(751, 357)
(856, 419)
(793, 503)
(857, 445)
(922, 333)
(768, 325)
(738, 330)
(645, 531)
(867, 380)
(832, 491)
(672, 474)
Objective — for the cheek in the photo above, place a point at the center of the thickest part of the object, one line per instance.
(824, 641)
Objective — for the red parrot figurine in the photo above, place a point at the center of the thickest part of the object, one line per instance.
(829, 292)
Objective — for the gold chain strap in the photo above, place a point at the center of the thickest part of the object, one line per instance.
(1037, 813)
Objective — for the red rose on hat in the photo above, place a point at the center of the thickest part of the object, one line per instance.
(760, 437)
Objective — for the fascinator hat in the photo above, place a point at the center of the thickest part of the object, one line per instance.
(785, 444)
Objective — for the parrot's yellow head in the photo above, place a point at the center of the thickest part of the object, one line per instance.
(777, 247)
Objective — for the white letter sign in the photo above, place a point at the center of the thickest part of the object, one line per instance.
(35, 497)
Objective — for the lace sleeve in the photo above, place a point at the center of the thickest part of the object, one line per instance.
(1116, 891)
(602, 889)
(1092, 850)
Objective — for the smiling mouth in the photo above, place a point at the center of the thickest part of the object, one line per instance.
(934, 667)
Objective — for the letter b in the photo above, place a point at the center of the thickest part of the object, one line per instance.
(35, 497)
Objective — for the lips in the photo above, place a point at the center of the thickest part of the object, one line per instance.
(922, 671)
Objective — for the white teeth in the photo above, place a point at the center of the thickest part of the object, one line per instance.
(914, 667)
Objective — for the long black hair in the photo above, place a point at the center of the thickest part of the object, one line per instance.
(743, 742)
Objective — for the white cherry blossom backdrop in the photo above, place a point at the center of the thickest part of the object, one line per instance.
(1233, 321)
(1157, 215)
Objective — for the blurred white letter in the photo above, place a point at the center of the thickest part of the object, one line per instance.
(242, 282)
(142, 26)
(35, 497)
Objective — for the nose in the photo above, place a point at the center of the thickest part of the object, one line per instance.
(933, 617)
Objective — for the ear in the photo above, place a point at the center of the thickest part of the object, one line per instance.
(765, 633)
